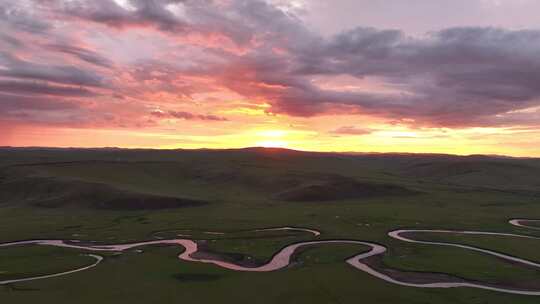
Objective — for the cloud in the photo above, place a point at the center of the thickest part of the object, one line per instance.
(10, 40)
(455, 77)
(26, 88)
(140, 13)
(352, 130)
(82, 53)
(171, 16)
(64, 74)
(21, 18)
(186, 115)
(12, 103)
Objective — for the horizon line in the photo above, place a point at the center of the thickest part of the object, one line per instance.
(265, 148)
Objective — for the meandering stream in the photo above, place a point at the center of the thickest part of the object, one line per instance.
(283, 258)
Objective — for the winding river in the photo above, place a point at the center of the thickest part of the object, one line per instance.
(284, 257)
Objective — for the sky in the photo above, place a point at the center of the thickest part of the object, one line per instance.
(421, 76)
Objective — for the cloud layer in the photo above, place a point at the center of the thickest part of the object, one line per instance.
(112, 63)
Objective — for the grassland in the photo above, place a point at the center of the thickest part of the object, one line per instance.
(85, 194)
(30, 261)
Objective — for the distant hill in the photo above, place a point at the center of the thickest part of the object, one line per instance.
(484, 171)
(155, 179)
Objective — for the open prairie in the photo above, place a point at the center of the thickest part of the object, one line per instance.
(243, 208)
(270, 151)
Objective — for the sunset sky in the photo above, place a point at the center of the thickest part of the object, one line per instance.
(437, 76)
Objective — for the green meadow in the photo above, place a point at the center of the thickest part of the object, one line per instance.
(119, 196)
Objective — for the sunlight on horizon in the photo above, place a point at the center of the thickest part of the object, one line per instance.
(321, 77)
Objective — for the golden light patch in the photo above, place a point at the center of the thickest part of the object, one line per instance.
(272, 144)
(245, 111)
(272, 133)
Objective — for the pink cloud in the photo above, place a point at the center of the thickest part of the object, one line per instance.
(108, 65)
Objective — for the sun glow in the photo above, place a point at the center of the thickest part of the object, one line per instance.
(272, 144)
(272, 138)
(272, 133)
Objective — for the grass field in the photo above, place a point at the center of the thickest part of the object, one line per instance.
(116, 196)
